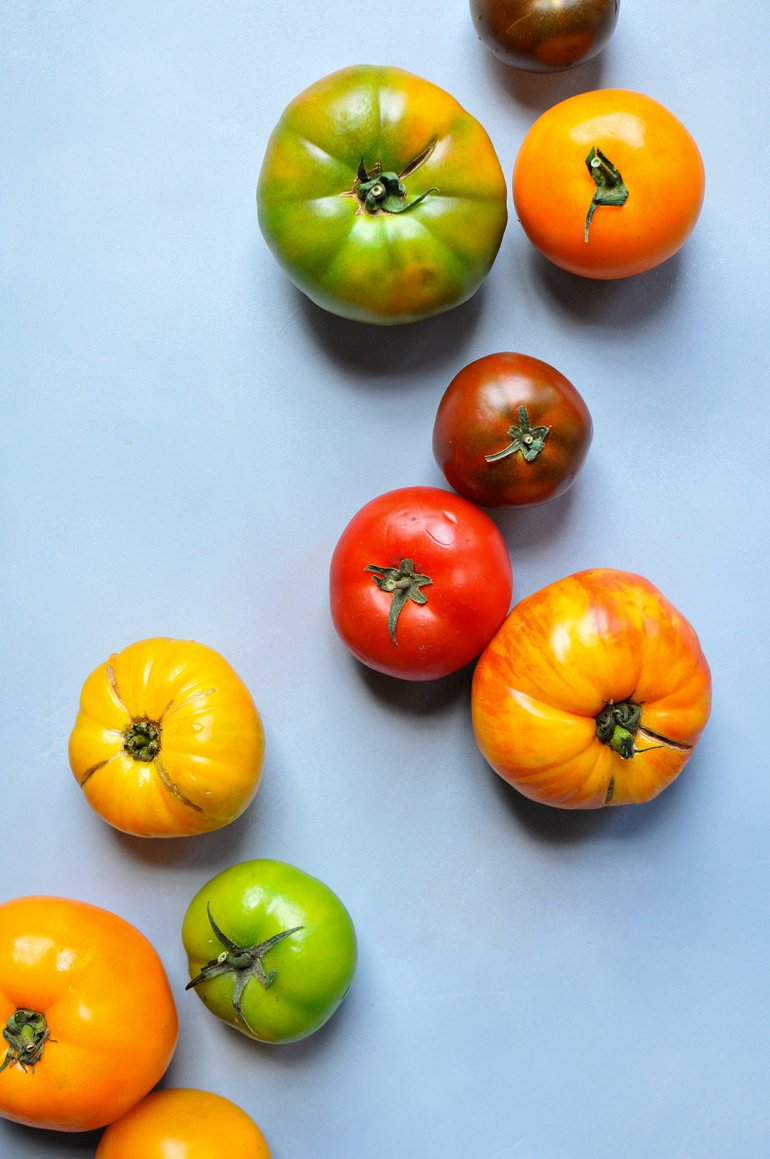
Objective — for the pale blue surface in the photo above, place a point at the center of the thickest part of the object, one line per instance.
(184, 437)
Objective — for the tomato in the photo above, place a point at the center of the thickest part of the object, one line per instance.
(608, 184)
(89, 1017)
(545, 35)
(167, 742)
(271, 950)
(511, 431)
(381, 197)
(594, 692)
(183, 1124)
(420, 580)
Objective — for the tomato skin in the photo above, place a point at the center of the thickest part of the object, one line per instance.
(381, 267)
(209, 734)
(314, 965)
(657, 159)
(474, 420)
(544, 35)
(449, 540)
(572, 654)
(108, 1006)
(183, 1124)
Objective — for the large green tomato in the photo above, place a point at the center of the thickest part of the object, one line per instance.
(271, 950)
(382, 199)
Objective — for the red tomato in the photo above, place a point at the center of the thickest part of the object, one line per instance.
(420, 581)
(511, 431)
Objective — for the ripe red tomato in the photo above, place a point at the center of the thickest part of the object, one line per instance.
(608, 184)
(420, 581)
(544, 35)
(511, 431)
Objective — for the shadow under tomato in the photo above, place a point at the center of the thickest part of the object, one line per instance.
(77, 1143)
(196, 852)
(540, 90)
(388, 350)
(526, 527)
(418, 697)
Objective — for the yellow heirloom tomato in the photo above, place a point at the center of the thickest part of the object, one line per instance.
(168, 741)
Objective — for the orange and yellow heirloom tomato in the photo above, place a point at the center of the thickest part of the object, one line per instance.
(594, 692)
(88, 1015)
(183, 1124)
(167, 742)
(608, 184)
(381, 197)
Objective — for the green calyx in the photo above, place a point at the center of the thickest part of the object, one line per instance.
(379, 192)
(619, 724)
(403, 584)
(525, 440)
(610, 189)
(26, 1033)
(243, 962)
(142, 740)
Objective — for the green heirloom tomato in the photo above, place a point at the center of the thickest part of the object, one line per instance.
(271, 950)
(383, 200)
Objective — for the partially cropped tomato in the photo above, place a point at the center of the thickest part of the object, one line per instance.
(89, 1019)
(545, 35)
(183, 1124)
(381, 197)
(167, 742)
(271, 950)
(511, 431)
(608, 184)
(420, 580)
(594, 692)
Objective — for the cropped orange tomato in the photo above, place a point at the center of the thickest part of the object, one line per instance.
(183, 1124)
(594, 692)
(608, 184)
(88, 1014)
(167, 742)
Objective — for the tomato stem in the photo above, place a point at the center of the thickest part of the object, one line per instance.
(404, 584)
(26, 1033)
(380, 192)
(610, 189)
(620, 722)
(244, 962)
(527, 440)
(142, 740)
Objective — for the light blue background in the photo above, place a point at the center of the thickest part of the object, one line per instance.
(183, 439)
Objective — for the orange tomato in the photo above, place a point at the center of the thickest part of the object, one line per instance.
(183, 1124)
(88, 1014)
(594, 692)
(167, 742)
(608, 184)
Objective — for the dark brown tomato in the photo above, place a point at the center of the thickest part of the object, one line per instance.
(544, 35)
(511, 431)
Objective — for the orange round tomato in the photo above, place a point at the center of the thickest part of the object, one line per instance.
(608, 184)
(511, 431)
(594, 692)
(167, 742)
(183, 1124)
(88, 1015)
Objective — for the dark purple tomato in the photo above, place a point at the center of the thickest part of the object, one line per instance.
(544, 35)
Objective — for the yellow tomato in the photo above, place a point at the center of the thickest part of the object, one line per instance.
(167, 742)
(183, 1124)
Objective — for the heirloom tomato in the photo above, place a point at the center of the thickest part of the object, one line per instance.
(167, 742)
(545, 35)
(183, 1124)
(383, 200)
(271, 950)
(608, 184)
(420, 580)
(88, 1014)
(511, 431)
(594, 692)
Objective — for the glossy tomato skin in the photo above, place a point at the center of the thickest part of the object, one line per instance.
(185, 700)
(594, 692)
(654, 155)
(253, 902)
(545, 35)
(451, 543)
(497, 455)
(375, 265)
(183, 1124)
(110, 1019)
